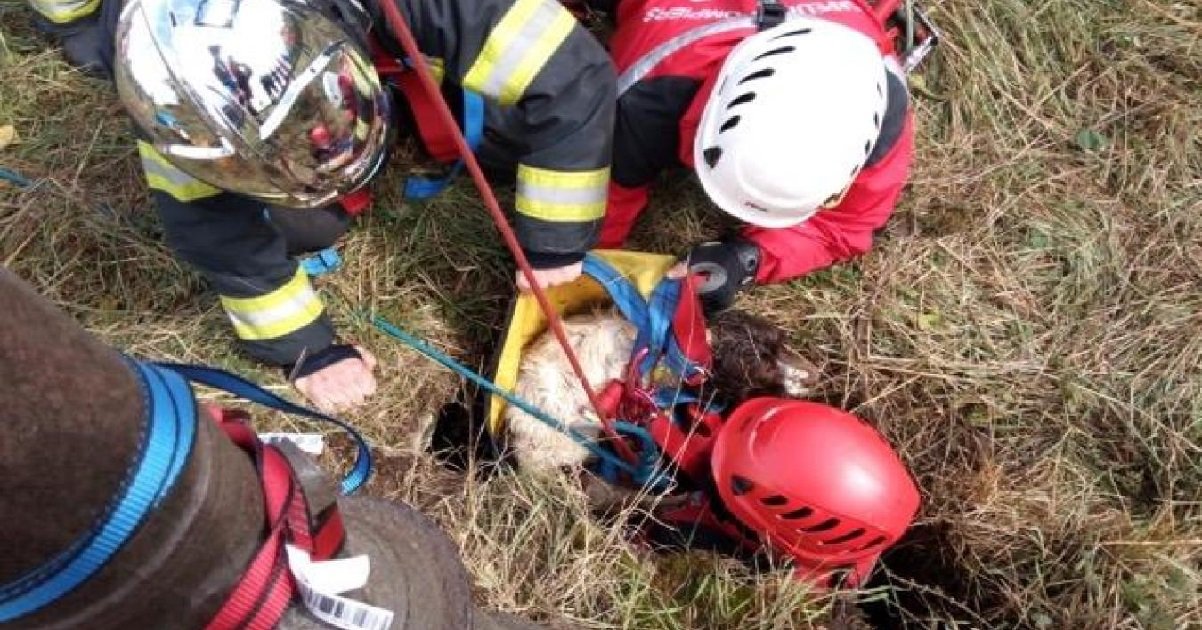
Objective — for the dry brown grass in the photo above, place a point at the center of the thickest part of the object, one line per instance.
(1026, 332)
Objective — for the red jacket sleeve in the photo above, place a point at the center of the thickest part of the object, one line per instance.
(839, 233)
(623, 207)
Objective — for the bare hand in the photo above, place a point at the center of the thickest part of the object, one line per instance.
(551, 277)
(341, 385)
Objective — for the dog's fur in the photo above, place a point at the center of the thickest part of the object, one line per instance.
(750, 359)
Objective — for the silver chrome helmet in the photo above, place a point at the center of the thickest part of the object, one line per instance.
(274, 99)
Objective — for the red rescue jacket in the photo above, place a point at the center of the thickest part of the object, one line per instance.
(668, 54)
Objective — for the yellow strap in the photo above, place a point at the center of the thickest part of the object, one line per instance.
(162, 175)
(59, 12)
(517, 48)
(283, 311)
(561, 196)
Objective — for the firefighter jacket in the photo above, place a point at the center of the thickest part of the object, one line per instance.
(668, 54)
(549, 88)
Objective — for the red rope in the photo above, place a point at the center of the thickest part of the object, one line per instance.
(409, 45)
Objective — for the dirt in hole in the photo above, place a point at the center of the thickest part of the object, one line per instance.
(928, 585)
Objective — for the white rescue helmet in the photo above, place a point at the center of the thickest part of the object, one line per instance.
(796, 112)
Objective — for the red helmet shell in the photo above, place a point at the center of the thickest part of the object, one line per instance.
(817, 483)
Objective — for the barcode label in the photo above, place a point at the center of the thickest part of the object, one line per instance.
(344, 613)
(320, 583)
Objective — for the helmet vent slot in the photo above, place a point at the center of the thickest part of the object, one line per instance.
(867, 146)
(740, 485)
(711, 156)
(775, 500)
(848, 537)
(758, 74)
(775, 51)
(800, 31)
(826, 525)
(873, 543)
(742, 98)
(876, 120)
(801, 512)
(729, 124)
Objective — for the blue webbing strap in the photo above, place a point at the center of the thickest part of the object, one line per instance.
(238, 386)
(648, 473)
(653, 321)
(321, 263)
(167, 438)
(417, 187)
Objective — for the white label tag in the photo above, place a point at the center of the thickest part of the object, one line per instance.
(311, 443)
(320, 582)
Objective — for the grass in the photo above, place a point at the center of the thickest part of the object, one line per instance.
(1026, 332)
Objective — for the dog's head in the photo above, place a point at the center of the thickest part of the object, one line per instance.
(752, 358)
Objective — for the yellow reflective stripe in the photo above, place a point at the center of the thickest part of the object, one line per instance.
(285, 310)
(58, 11)
(517, 48)
(161, 175)
(561, 196)
(436, 68)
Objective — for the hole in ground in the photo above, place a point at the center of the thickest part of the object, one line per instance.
(461, 434)
(928, 584)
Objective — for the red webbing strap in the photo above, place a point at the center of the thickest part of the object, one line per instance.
(688, 448)
(882, 10)
(265, 591)
(689, 329)
(400, 29)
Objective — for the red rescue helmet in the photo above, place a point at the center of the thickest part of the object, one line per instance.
(815, 483)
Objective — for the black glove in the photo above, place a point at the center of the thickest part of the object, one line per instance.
(724, 267)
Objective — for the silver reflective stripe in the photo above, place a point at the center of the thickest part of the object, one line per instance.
(562, 196)
(519, 46)
(172, 175)
(271, 315)
(647, 63)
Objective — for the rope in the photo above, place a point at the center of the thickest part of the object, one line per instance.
(14, 178)
(634, 470)
(399, 28)
(238, 386)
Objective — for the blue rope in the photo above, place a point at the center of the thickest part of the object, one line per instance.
(14, 178)
(238, 386)
(610, 459)
(168, 434)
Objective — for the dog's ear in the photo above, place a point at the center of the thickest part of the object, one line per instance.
(798, 375)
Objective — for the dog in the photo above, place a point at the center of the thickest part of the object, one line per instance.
(751, 359)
